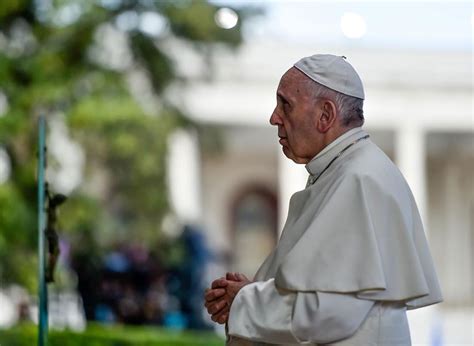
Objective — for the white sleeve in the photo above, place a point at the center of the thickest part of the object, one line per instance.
(262, 312)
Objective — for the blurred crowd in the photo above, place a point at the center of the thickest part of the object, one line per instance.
(129, 284)
(132, 285)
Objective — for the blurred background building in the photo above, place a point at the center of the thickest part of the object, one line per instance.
(159, 133)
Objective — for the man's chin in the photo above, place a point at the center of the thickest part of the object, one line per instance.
(289, 154)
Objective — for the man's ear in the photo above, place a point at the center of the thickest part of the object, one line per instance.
(327, 116)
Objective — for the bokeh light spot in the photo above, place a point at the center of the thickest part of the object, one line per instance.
(5, 166)
(226, 18)
(353, 25)
(152, 23)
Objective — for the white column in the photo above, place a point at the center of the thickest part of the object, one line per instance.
(291, 178)
(184, 179)
(410, 156)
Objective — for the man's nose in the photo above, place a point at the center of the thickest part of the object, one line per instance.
(275, 118)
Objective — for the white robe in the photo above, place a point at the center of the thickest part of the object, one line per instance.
(352, 258)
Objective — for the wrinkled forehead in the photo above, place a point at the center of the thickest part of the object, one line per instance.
(293, 80)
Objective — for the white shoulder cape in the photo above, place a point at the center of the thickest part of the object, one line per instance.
(356, 230)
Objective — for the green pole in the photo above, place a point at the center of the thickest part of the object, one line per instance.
(42, 289)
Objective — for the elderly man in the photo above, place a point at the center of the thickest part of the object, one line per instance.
(352, 257)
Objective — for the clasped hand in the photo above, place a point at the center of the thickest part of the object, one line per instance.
(219, 298)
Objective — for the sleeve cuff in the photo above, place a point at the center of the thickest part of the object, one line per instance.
(260, 312)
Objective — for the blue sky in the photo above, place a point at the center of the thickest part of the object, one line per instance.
(422, 25)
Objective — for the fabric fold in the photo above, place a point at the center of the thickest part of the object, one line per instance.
(376, 248)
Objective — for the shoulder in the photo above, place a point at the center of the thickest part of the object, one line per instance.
(371, 168)
(370, 159)
(369, 162)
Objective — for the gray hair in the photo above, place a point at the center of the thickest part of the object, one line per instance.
(350, 108)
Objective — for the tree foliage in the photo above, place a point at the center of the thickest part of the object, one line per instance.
(72, 60)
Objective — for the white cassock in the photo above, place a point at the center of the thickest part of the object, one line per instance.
(352, 258)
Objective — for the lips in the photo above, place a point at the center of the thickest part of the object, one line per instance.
(283, 140)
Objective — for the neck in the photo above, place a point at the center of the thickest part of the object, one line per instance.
(334, 133)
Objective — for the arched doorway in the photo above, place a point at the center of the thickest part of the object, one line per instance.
(254, 228)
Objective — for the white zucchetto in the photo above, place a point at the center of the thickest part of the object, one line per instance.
(333, 72)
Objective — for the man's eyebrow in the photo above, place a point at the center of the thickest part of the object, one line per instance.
(282, 97)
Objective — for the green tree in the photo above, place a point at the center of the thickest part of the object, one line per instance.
(72, 59)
